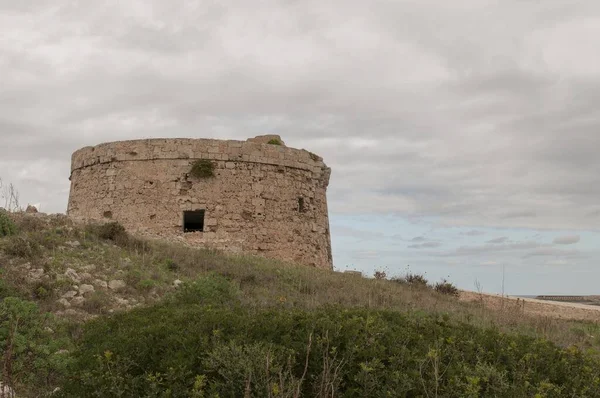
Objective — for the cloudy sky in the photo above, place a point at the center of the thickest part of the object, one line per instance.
(463, 135)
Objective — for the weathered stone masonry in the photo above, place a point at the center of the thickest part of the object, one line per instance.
(266, 199)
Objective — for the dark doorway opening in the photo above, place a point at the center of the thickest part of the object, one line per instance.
(193, 221)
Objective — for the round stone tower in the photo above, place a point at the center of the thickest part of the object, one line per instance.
(256, 196)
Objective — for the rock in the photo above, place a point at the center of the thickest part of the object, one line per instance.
(77, 301)
(64, 302)
(31, 209)
(88, 268)
(85, 289)
(86, 276)
(122, 302)
(100, 283)
(177, 283)
(116, 284)
(36, 273)
(6, 391)
(72, 275)
(74, 243)
(48, 330)
(70, 294)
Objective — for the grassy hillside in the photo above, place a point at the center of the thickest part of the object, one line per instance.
(98, 313)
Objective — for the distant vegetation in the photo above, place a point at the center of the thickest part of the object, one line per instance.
(210, 325)
(203, 168)
(274, 141)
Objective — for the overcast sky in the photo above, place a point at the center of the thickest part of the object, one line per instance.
(463, 135)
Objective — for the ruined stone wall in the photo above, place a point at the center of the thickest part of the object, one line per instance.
(252, 204)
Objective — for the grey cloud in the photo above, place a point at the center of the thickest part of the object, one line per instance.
(418, 239)
(473, 232)
(567, 240)
(477, 129)
(426, 245)
(552, 252)
(502, 239)
(491, 249)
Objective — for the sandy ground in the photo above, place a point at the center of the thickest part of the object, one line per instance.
(554, 309)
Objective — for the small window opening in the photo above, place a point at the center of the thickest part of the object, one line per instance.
(301, 207)
(193, 221)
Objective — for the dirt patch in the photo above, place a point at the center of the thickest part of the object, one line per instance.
(531, 306)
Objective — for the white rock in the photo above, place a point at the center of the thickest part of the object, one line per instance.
(84, 289)
(64, 302)
(116, 284)
(177, 283)
(72, 275)
(122, 301)
(6, 391)
(74, 243)
(36, 273)
(86, 276)
(89, 268)
(70, 294)
(77, 301)
(100, 283)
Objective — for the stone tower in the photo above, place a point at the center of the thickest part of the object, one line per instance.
(262, 198)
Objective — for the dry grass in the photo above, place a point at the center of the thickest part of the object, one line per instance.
(150, 267)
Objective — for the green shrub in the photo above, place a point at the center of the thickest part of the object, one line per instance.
(22, 246)
(274, 141)
(6, 290)
(7, 226)
(28, 346)
(445, 287)
(171, 265)
(203, 168)
(97, 302)
(211, 289)
(173, 348)
(146, 284)
(43, 291)
(416, 280)
(111, 231)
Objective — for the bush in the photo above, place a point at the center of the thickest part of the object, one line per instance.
(43, 291)
(203, 169)
(146, 284)
(445, 287)
(274, 141)
(22, 246)
(97, 303)
(175, 348)
(416, 280)
(112, 231)
(28, 348)
(7, 226)
(171, 265)
(380, 275)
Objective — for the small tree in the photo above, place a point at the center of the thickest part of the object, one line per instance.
(10, 196)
